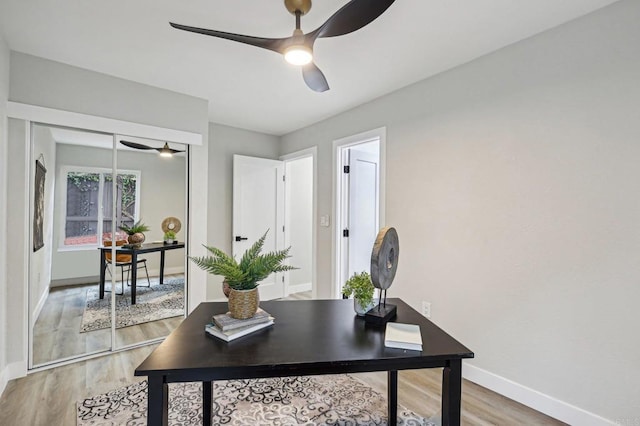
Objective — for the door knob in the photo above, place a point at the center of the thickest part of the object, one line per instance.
(239, 238)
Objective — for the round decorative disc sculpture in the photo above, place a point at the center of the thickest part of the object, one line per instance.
(171, 224)
(384, 258)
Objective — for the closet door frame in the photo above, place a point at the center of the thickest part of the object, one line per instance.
(32, 114)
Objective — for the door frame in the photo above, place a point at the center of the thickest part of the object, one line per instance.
(338, 195)
(297, 155)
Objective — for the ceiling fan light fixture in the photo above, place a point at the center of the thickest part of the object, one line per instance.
(298, 55)
(165, 151)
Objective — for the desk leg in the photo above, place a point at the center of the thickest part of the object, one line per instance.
(162, 267)
(392, 397)
(134, 276)
(158, 402)
(452, 393)
(103, 266)
(207, 393)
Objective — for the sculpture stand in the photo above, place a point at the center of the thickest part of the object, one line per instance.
(382, 313)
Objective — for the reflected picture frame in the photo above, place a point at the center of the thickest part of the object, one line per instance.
(38, 206)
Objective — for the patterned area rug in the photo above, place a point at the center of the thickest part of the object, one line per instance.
(152, 304)
(307, 400)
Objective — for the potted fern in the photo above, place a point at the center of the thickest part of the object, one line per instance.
(244, 277)
(135, 232)
(362, 289)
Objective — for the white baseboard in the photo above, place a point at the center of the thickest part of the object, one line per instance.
(298, 288)
(532, 398)
(12, 371)
(4, 379)
(73, 281)
(167, 271)
(40, 305)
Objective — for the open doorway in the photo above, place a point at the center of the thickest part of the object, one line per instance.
(278, 195)
(359, 200)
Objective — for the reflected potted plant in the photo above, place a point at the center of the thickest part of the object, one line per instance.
(362, 289)
(243, 277)
(135, 232)
(170, 237)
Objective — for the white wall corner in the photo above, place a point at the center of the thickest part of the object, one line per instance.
(543, 403)
(13, 370)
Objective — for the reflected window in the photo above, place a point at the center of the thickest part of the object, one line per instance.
(89, 204)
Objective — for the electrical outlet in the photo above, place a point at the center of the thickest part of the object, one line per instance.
(426, 309)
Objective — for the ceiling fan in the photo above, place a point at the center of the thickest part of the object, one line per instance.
(298, 49)
(165, 151)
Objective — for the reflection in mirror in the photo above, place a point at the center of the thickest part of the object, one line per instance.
(70, 312)
(151, 191)
(63, 271)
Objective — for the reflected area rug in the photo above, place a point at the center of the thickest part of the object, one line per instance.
(307, 400)
(153, 303)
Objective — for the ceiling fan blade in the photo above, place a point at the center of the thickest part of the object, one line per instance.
(314, 78)
(135, 145)
(275, 44)
(352, 16)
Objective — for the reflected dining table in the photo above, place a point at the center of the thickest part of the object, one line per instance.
(134, 252)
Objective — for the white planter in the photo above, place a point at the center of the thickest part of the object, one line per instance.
(361, 310)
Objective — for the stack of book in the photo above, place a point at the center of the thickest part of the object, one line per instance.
(227, 328)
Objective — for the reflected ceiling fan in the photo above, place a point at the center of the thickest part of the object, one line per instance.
(298, 49)
(165, 151)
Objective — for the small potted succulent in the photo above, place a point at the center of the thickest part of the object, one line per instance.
(243, 277)
(362, 289)
(170, 237)
(135, 232)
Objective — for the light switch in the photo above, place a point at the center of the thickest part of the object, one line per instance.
(325, 220)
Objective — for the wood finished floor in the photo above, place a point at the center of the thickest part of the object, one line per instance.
(49, 397)
(56, 334)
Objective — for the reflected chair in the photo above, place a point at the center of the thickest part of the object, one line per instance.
(123, 261)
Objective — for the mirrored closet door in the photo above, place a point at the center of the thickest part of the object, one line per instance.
(157, 175)
(79, 283)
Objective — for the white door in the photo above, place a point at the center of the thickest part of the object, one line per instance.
(258, 206)
(363, 208)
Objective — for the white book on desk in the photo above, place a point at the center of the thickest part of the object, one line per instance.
(403, 336)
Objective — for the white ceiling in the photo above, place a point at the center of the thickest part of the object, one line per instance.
(254, 88)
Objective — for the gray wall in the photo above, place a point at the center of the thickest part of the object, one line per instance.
(224, 142)
(40, 265)
(50, 84)
(162, 194)
(42, 82)
(513, 184)
(4, 96)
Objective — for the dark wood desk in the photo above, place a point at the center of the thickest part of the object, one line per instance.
(309, 337)
(135, 252)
